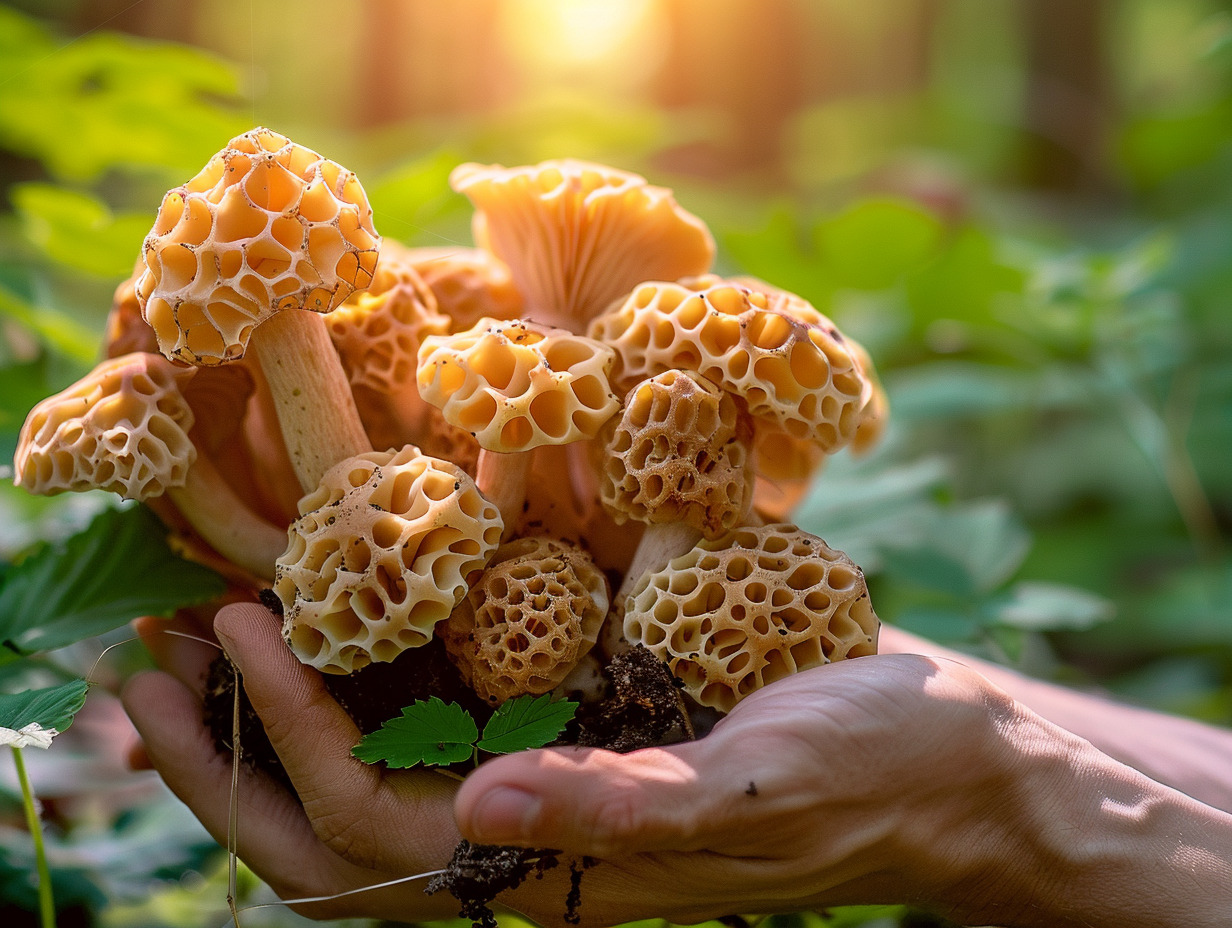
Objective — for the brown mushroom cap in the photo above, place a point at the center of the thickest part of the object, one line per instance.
(578, 235)
(469, 283)
(529, 619)
(750, 608)
(122, 428)
(795, 373)
(382, 552)
(784, 467)
(518, 385)
(678, 453)
(126, 330)
(266, 225)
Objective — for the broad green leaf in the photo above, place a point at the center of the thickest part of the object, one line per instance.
(874, 243)
(1036, 606)
(52, 707)
(117, 569)
(526, 722)
(427, 732)
(79, 231)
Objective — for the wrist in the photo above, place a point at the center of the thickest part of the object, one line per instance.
(1068, 836)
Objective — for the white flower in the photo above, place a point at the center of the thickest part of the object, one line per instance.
(33, 735)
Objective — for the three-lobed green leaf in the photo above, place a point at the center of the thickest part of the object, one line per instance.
(435, 732)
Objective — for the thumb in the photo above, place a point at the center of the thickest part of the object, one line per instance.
(594, 802)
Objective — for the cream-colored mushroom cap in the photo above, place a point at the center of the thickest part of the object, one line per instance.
(518, 385)
(529, 619)
(677, 453)
(267, 225)
(750, 608)
(577, 235)
(382, 552)
(122, 428)
(797, 374)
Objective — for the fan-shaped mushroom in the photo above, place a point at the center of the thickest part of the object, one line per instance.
(383, 551)
(744, 610)
(578, 235)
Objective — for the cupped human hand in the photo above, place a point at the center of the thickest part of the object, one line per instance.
(352, 825)
(882, 779)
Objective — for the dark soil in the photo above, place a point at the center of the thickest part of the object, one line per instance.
(647, 710)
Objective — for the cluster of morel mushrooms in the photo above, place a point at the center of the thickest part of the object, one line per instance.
(566, 441)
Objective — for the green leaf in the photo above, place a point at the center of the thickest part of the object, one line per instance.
(1037, 606)
(874, 243)
(53, 707)
(79, 231)
(427, 732)
(526, 722)
(117, 569)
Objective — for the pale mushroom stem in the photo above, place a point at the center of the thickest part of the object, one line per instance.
(220, 517)
(316, 410)
(661, 542)
(502, 479)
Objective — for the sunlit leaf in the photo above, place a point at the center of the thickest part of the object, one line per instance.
(427, 732)
(526, 722)
(79, 231)
(117, 569)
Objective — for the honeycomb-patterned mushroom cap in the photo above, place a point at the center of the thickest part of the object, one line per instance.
(577, 235)
(518, 385)
(469, 283)
(267, 225)
(382, 552)
(678, 453)
(750, 608)
(795, 373)
(123, 428)
(377, 335)
(529, 619)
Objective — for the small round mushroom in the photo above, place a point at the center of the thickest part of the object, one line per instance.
(530, 618)
(752, 607)
(577, 235)
(384, 550)
(266, 230)
(124, 428)
(516, 386)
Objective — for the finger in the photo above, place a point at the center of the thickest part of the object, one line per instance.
(598, 803)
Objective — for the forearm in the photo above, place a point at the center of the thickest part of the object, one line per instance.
(1090, 842)
(1186, 755)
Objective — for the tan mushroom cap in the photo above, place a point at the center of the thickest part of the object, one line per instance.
(784, 467)
(382, 552)
(377, 335)
(469, 283)
(797, 374)
(122, 428)
(750, 608)
(577, 235)
(267, 225)
(678, 453)
(532, 615)
(518, 385)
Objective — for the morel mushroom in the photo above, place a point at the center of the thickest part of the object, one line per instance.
(383, 551)
(266, 228)
(530, 618)
(517, 386)
(752, 607)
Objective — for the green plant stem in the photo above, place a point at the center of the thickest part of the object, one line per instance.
(47, 905)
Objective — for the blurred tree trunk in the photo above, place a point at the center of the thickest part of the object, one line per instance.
(1068, 98)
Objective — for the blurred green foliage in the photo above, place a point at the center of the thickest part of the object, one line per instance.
(1054, 489)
